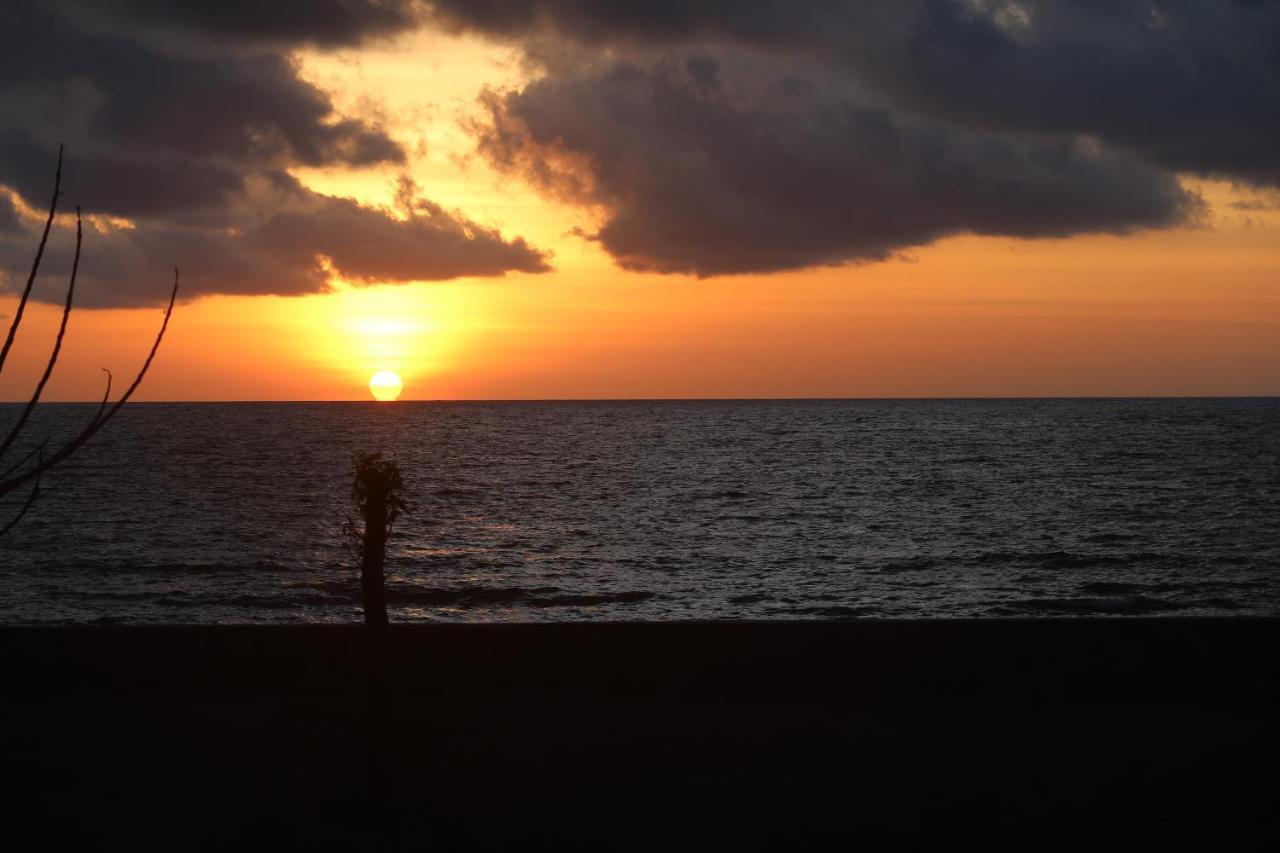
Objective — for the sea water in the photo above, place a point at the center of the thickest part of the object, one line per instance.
(658, 510)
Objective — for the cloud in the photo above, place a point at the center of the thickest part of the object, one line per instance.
(118, 184)
(186, 125)
(119, 101)
(9, 221)
(327, 23)
(1191, 87)
(1248, 204)
(734, 165)
(293, 251)
(709, 136)
(429, 243)
(1183, 85)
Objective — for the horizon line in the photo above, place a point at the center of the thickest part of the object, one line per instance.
(686, 399)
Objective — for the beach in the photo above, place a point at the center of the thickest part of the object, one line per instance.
(1106, 731)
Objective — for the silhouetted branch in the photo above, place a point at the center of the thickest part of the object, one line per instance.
(97, 423)
(57, 348)
(24, 460)
(146, 365)
(15, 476)
(35, 265)
(31, 499)
(106, 395)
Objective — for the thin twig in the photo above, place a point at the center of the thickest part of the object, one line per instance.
(24, 460)
(146, 365)
(35, 265)
(57, 348)
(106, 395)
(31, 499)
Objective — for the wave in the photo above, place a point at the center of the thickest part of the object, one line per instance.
(1113, 588)
(1064, 559)
(545, 596)
(138, 566)
(1129, 605)
(839, 611)
(919, 564)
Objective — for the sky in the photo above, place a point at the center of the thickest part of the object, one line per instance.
(533, 199)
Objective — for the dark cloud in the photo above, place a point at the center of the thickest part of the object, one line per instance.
(290, 252)
(180, 131)
(708, 168)
(1188, 86)
(186, 123)
(757, 21)
(429, 243)
(9, 220)
(1185, 85)
(713, 136)
(118, 184)
(328, 23)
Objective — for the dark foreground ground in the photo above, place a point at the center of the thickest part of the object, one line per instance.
(1082, 734)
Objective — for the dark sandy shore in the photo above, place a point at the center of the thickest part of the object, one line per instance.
(1082, 733)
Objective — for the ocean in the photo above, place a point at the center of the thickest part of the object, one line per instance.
(659, 510)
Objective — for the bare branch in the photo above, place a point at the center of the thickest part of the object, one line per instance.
(57, 348)
(40, 448)
(97, 423)
(35, 265)
(106, 395)
(24, 460)
(146, 365)
(31, 499)
(15, 475)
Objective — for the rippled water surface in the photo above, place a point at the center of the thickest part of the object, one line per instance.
(661, 510)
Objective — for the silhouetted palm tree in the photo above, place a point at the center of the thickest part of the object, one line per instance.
(378, 496)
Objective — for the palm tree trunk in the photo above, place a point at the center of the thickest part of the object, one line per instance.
(373, 592)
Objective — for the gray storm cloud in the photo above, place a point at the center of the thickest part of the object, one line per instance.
(184, 118)
(1182, 84)
(710, 136)
(288, 252)
(705, 171)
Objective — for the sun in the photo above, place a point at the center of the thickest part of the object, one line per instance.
(385, 385)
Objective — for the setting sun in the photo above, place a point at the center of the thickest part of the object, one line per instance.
(385, 385)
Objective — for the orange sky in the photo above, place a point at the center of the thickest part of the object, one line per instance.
(1192, 311)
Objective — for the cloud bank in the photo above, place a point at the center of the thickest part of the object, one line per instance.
(750, 136)
(708, 171)
(1185, 84)
(184, 119)
(706, 136)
